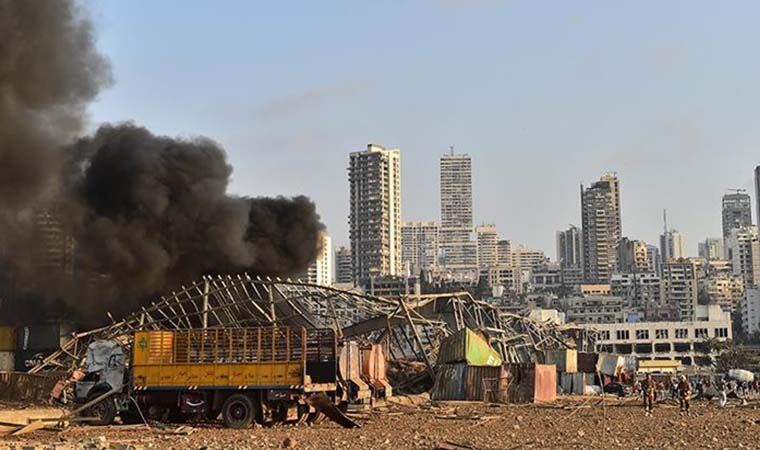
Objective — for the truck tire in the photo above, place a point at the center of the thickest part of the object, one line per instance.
(238, 411)
(105, 411)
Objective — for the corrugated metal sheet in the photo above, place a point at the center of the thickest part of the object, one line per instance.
(475, 378)
(566, 360)
(609, 364)
(587, 362)
(7, 361)
(468, 346)
(449, 382)
(7, 339)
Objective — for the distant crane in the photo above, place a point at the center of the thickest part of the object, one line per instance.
(737, 191)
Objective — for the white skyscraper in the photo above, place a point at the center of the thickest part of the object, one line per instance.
(321, 270)
(458, 248)
(375, 218)
(743, 250)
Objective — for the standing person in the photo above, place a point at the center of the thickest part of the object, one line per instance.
(721, 386)
(700, 388)
(650, 390)
(684, 394)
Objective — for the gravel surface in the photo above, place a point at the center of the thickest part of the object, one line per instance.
(572, 423)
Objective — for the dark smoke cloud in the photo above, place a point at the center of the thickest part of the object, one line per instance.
(146, 213)
(49, 71)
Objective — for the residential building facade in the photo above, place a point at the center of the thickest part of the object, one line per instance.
(419, 247)
(375, 212)
(601, 228)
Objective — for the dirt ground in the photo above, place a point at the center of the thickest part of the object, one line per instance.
(571, 423)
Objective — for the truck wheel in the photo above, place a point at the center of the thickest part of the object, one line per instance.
(238, 411)
(105, 411)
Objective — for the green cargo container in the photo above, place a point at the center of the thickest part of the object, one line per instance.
(468, 346)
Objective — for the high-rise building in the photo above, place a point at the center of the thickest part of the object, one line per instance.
(569, 249)
(638, 290)
(737, 211)
(419, 246)
(632, 256)
(750, 311)
(757, 192)
(710, 249)
(526, 258)
(655, 260)
(488, 246)
(724, 290)
(672, 246)
(743, 250)
(375, 218)
(504, 252)
(344, 271)
(55, 250)
(601, 228)
(680, 287)
(459, 250)
(321, 271)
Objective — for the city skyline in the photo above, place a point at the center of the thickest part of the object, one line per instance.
(542, 109)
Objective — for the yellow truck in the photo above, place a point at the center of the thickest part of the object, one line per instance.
(267, 375)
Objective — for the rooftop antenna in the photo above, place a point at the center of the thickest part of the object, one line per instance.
(451, 149)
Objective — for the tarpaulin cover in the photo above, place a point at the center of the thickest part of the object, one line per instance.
(545, 387)
(744, 376)
(609, 364)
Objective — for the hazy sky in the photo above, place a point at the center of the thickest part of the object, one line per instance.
(544, 95)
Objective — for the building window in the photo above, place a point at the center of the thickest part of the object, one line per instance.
(642, 334)
(604, 335)
(682, 333)
(700, 333)
(721, 332)
(623, 335)
(661, 334)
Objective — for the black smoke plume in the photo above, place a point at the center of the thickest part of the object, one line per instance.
(127, 214)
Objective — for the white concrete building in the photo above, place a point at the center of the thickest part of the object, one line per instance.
(527, 258)
(504, 252)
(737, 211)
(375, 212)
(321, 271)
(711, 248)
(594, 309)
(510, 278)
(682, 341)
(419, 247)
(680, 287)
(750, 308)
(637, 289)
(672, 246)
(488, 246)
(632, 256)
(743, 250)
(724, 290)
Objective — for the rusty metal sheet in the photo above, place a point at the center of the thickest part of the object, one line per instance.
(545, 384)
(449, 382)
(20, 386)
(475, 377)
(587, 362)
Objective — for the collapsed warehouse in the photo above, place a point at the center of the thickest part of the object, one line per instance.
(435, 333)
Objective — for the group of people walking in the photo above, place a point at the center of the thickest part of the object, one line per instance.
(684, 390)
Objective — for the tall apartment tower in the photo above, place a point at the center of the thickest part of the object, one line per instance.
(55, 252)
(419, 246)
(321, 271)
(680, 287)
(375, 218)
(633, 256)
(569, 248)
(488, 246)
(743, 250)
(737, 211)
(601, 228)
(458, 248)
(344, 271)
(711, 249)
(504, 252)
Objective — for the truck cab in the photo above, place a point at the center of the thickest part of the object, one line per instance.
(104, 372)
